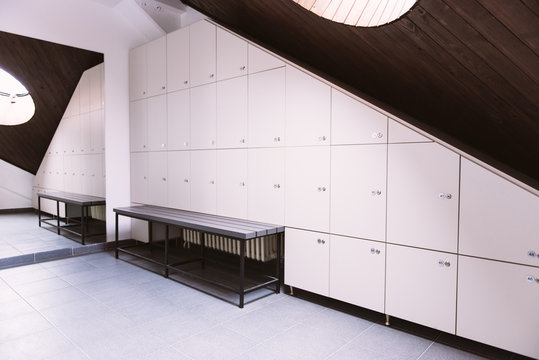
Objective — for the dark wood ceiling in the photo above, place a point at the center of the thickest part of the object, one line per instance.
(465, 71)
(51, 73)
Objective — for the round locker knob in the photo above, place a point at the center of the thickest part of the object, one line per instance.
(212, 75)
(322, 138)
(186, 82)
(162, 88)
(376, 192)
(242, 183)
(530, 278)
(212, 182)
(186, 180)
(242, 68)
(164, 179)
(532, 253)
(447, 264)
(320, 241)
(242, 141)
(276, 186)
(144, 93)
(321, 189)
(442, 196)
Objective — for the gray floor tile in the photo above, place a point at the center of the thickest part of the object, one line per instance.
(55, 298)
(32, 274)
(443, 352)
(7, 294)
(341, 324)
(14, 308)
(264, 352)
(39, 287)
(305, 342)
(218, 343)
(348, 352)
(403, 345)
(26, 324)
(168, 353)
(44, 344)
(178, 326)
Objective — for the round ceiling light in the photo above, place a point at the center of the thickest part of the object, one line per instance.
(16, 104)
(363, 13)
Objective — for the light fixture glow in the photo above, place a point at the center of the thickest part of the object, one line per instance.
(16, 104)
(362, 13)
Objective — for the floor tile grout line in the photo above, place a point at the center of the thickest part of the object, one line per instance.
(351, 340)
(50, 322)
(428, 347)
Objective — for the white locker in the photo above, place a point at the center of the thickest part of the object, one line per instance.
(265, 191)
(358, 191)
(138, 73)
(498, 220)
(157, 66)
(178, 120)
(203, 178)
(267, 108)
(178, 182)
(231, 55)
(139, 177)
(97, 131)
(498, 304)
(232, 113)
(202, 53)
(178, 59)
(306, 262)
(232, 183)
(157, 179)
(96, 84)
(85, 133)
(357, 272)
(353, 122)
(399, 133)
(138, 125)
(157, 123)
(71, 133)
(307, 188)
(423, 196)
(84, 93)
(421, 286)
(308, 108)
(261, 60)
(203, 123)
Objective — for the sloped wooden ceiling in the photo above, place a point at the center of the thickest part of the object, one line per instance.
(466, 71)
(50, 72)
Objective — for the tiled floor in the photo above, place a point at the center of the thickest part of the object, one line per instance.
(97, 307)
(20, 235)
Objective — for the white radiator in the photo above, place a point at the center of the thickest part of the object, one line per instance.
(263, 248)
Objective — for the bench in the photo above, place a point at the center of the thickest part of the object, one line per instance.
(84, 202)
(241, 231)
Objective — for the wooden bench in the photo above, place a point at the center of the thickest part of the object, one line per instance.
(78, 200)
(240, 230)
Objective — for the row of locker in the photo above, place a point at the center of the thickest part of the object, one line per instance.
(89, 93)
(195, 55)
(79, 134)
(344, 190)
(476, 298)
(275, 108)
(82, 174)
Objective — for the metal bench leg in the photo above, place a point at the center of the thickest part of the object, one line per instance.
(166, 250)
(278, 264)
(242, 272)
(83, 220)
(116, 235)
(58, 216)
(39, 209)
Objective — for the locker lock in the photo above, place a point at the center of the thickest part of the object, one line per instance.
(532, 254)
(530, 278)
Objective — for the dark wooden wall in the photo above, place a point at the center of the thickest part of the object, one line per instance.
(51, 73)
(466, 71)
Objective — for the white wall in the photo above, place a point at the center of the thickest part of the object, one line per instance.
(111, 30)
(15, 187)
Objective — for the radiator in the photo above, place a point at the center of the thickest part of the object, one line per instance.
(263, 248)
